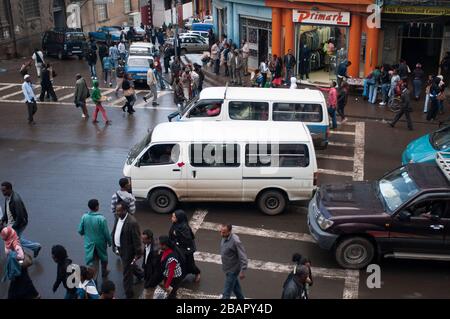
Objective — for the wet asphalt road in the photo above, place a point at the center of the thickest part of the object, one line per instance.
(63, 161)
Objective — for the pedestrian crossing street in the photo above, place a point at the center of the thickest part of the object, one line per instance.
(12, 93)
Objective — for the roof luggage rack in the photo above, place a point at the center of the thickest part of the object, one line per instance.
(443, 161)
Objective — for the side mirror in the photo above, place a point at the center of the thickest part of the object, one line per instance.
(404, 216)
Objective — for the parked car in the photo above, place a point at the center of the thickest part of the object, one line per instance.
(204, 34)
(102, 32)
(137, 67)
(424, 148)
(189, 21)
(193, 43)
(195, 35)
(63, 43)
(138, 36)
(270, 164)
(142, 48)
(405, 214)
(202, 26)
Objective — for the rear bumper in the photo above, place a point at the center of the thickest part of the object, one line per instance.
(324, 240)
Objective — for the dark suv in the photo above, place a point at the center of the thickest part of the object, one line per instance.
(63, 42)
(406, 214)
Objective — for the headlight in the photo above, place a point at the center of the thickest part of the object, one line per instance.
(324, 223)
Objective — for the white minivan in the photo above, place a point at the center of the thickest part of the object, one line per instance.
(262, 104)
(270, 163)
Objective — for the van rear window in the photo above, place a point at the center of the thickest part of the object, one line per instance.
(276, 155)
(298, 112)
(249, 111)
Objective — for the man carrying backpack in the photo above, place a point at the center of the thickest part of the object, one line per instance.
(123, 196)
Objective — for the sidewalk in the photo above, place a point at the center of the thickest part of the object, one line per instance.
(356, 107)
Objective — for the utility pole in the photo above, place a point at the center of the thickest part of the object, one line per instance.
(175, 40)
(11, 26)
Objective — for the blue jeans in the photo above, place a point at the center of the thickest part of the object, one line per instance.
(417, 87)
(93, 70)
(385, 91)
(161, 80)
(373, 92)
(31, 245)
(232, 285)
(332, 112)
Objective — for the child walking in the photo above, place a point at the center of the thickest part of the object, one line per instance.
(97, 98)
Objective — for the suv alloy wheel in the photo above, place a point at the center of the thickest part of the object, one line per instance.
(354, 253)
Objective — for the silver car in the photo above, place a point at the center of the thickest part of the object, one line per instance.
(193, 43)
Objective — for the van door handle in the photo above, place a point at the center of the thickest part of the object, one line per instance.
(194, 174)
(176, 170)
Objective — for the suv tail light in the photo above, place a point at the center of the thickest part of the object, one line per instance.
(316, 177)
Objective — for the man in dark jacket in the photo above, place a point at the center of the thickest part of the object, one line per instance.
(127, 243)
(16, 216)
(151, 264)
(59, 255)
(92, 61)
(294, 287)
(289, 63)
(405, 108)
(46, 84)
(403, 70)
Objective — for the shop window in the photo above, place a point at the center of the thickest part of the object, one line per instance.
(31, 9)
(251, 111)
(299, 112)
(215, 155)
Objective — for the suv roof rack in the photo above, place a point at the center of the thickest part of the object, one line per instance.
(443, 161)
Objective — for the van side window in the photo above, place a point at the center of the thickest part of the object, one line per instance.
(276, 155)
(252, 111)
(301, 112)
(161, 154)
(214, 155)
(209, 108)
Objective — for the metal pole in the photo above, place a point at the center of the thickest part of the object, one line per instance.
(175, 41)
(11, 27)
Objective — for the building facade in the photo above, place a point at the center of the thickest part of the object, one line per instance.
(245, 20)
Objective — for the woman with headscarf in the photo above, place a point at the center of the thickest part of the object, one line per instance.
(59, 255)
(21, 286)
(181, 235)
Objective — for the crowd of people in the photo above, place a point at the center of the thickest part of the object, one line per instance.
(165, 263)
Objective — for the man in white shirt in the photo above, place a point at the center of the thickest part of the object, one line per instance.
(38, 58)
(30, 98)
(122, 50)
(151, 82)
(245, 55)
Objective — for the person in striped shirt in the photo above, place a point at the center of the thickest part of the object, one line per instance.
(123, 196)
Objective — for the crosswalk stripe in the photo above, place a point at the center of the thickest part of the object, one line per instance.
(358, 165)
(7, 87)
(334, 172)
(341, 144)
(65, 97)
(334, 157)
(261, 232)
(342, 133)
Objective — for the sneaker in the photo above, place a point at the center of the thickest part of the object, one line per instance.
(83, 116)
(95, 121)
(108, 123)
(110, 85)
(382, 103)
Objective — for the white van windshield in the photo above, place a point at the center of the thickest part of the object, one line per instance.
(138, 148)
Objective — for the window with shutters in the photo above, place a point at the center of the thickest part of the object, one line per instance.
(4, 24)
(31, 9)
(102, 11)
(127, 6)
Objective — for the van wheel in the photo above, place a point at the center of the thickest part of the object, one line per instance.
(60, 55)
(354, 253)
(162, 201)
(271, 202)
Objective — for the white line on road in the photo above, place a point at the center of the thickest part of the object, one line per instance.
(351, 285)
(197, 220)
(334, 172)
(358, 165)
(91, 104)
(65, 97)
(335, 157)
(261, 232)
(341, 133)
(341, 144)
(7, 87)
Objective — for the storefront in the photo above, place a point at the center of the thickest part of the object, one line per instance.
(258, 33)
(416, 34)
(296, 23)
(321, 42)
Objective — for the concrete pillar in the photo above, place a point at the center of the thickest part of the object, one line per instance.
(354, 46)
(289, 31)
(276, 31)
(371, 50)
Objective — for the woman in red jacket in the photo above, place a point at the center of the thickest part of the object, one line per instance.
(171, 266)
(332, 102)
